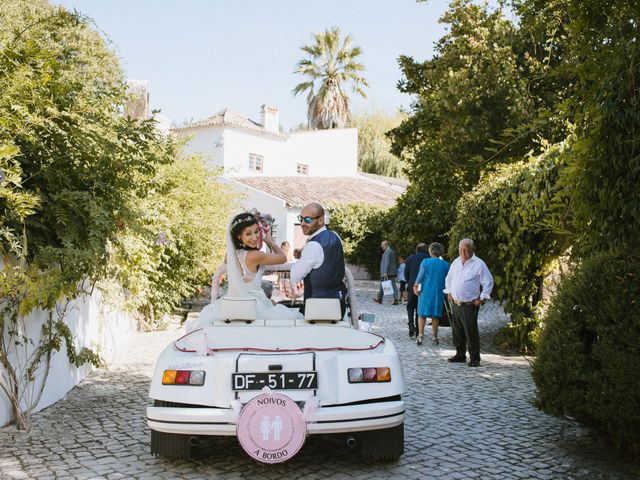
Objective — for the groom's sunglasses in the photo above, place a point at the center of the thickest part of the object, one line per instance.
(307, 220)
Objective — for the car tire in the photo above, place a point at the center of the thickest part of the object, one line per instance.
(384, 445)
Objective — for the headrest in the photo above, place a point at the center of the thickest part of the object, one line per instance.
(237, 309)
(322, 309)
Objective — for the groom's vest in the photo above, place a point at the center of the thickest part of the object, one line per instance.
(327, 281)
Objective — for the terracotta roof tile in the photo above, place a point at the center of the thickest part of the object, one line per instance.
(228, 118)
(298, 191)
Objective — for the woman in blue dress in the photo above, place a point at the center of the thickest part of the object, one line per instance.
(429, 288)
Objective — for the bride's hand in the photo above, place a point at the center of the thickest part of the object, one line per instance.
(268, 239)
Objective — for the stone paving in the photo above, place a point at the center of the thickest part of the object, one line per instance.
(461, 423)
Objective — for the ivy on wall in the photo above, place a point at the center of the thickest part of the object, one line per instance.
(516, 217)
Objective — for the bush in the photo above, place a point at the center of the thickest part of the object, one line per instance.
(360, 228)
(516, 216)
(174, 240)
(587, 364)
(86, 193)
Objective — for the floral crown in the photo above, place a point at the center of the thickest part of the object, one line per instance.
(248, 217)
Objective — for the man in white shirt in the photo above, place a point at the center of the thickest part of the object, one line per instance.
(468, 285)
(321, 264)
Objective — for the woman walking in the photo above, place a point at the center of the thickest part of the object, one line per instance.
(429, 288)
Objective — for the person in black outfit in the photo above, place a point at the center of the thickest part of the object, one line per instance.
(410, 273)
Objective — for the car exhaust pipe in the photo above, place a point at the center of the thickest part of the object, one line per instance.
(352, 442)
(194, 441)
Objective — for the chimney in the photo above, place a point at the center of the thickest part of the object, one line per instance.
(137, 105)
(269, 118)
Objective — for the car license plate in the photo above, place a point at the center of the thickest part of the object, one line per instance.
(275, 381)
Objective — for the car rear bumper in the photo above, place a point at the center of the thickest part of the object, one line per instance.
(324, 420)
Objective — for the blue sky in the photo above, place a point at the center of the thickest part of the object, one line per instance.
(201, 56)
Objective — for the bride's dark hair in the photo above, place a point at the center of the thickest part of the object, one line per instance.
(238, 224)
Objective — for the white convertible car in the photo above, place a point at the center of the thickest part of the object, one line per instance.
(340, 379)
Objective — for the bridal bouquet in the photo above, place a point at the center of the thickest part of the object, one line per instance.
(265, 224)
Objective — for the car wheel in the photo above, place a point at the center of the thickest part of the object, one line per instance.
(384, 445)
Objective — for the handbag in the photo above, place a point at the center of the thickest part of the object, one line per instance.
(387, 287)
(447, 314)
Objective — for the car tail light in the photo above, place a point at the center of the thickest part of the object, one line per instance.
(355, 375)
(383, 374)
(369, 375)
(183, 377)
(169, 377)
(197, 377)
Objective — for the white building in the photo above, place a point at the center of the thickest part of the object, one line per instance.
(279, 173)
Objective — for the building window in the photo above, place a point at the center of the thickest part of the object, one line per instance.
(303, 169)
(255, 162)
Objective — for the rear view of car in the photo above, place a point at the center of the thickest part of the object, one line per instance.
(271, 383)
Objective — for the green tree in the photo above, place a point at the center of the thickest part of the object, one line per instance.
(591, 320)
(175, 238)
(358, 225)
(75, 174)
(516, 215)
(331, 65)
(374, 147)
(469, 100)
(597, 43)
(60, 111)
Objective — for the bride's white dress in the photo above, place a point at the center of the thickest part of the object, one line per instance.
(243, 283)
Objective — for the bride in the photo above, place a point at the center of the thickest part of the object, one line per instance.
(245, 267)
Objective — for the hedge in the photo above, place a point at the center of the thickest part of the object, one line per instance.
(515, 217)
(360, 228)
(587, 364)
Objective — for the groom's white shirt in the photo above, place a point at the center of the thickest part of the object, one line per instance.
(312, 257)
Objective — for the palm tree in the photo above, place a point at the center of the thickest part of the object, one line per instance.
(332, 63)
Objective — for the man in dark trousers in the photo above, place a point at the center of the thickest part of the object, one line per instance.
(321, 264)
(410, 273)
(468, 285)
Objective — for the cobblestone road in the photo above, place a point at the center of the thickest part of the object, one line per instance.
(461, 423)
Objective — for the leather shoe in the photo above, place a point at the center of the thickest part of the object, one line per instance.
(411, 333)
(377, 301)
(396, 302)
(474, 363)
(457, 359)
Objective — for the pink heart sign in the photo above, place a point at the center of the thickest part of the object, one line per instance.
(271, 428)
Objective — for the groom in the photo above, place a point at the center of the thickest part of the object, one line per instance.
(321, 264)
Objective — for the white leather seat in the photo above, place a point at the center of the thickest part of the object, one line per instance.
(322, 309)
(243, 309)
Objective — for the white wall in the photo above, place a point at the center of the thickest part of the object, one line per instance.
(208, 142)
(92, 325)
(238, 144)
(329, 153)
